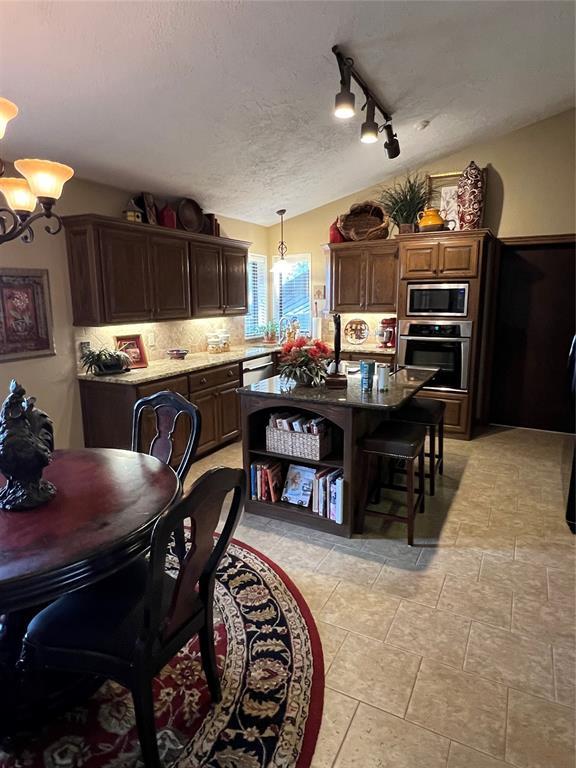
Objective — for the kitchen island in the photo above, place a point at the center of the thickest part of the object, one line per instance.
(349, 414)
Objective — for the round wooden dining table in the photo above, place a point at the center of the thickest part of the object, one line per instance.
(101, 519)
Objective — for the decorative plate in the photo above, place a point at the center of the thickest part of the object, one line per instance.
(190, 215)
(356, 331)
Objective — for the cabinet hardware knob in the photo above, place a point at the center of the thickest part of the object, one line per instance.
(230, 373)
(203, 380)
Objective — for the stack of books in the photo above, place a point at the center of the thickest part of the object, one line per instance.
(296, 422)
(328, 494)
(266, 481)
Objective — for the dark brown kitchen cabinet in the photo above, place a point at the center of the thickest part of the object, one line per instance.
(218, 404)
(229, 412)
(418, 260)
(207, 404)
(440, 255)
(364, 276)
(124, 272)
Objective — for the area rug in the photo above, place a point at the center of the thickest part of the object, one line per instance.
(272, 674)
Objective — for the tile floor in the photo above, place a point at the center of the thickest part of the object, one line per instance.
(460, 651)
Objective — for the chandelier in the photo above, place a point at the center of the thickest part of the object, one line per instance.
(281, 265)
(42, 184)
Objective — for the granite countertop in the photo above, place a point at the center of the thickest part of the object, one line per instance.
(372, 349)
(195, 361)
(403, 384)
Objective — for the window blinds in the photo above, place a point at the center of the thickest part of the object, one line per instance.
(257, 296)
(292, 293)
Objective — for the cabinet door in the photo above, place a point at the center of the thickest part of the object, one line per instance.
(125, 275)
(348, 277)
(207, 300)
(381, 279)
(458, 258)
(229, 412)
(207, 402)
(170, 278)
(235, 280)
(418, 260)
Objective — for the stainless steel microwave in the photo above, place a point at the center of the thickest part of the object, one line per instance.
(437, 300)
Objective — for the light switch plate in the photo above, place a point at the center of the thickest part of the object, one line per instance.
(151, 339)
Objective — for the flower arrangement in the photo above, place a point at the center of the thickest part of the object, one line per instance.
(304, 361)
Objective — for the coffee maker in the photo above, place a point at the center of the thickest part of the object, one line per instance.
(386, 333)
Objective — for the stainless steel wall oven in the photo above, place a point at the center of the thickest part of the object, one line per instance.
(443, 344)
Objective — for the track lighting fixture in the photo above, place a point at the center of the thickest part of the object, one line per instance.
(344, 106)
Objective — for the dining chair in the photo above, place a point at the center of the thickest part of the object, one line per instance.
(166, 407)
(129, 625)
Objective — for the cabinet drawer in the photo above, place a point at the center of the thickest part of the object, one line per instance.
(212, 377)
(177, 384)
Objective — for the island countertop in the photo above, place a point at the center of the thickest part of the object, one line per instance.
(403, 385)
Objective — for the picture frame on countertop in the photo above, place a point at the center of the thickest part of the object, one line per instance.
(26, 326)
(133, 346)
(442, 191)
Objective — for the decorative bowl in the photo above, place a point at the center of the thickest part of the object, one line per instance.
(177, 354)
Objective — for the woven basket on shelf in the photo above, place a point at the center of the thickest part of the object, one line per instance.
(364, 221)
(299, 444)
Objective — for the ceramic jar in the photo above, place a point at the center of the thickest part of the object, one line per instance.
(470, 197)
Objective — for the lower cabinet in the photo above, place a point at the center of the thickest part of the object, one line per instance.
(457, 422)
(220, 410)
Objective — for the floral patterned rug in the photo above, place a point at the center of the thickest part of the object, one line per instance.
(272, 673)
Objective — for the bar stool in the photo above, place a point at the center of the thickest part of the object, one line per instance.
(430, 413)
(394, 440)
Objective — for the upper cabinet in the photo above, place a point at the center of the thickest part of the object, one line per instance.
(440, 255)
(122, 272)
(364, 276)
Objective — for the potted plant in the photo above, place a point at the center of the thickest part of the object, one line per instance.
(404, 201)
(269, 331)
(304, 361)
(104, 362)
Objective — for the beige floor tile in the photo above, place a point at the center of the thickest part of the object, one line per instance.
(561, 586)
(511, 522)
(336, 717)
(357, 567)
(540, 734)
(415, 583)
(393, 549)
(565, 675)
(480, 602)
(331, 638)
(459, 562)
(379, 740)
(359, 609)
(485, 540)
(546, 621)
(524, 578)
(298, 553)
(464, 757)
(374, 673)
(469, 507)
(315, 587)
(431, 633)
(460, 706)
(519, 662)
(534, 549)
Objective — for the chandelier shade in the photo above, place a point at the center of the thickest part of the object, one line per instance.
(46, 178)
(8, 110)
(18, 195)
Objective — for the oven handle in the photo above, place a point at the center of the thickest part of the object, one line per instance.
(457, 339)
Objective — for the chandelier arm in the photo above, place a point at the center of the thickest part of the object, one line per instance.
(23, 229)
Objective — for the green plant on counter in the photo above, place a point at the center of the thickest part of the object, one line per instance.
(404, 201)
(269, 330)
(103, 361)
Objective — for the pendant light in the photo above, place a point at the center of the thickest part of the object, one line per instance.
(281, 266)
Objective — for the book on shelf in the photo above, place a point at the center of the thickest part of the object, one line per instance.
(298, 485)
(297, 422)
(265, 481)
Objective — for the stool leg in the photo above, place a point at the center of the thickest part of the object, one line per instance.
(432, 458)
(441, 447)
(410, 500)
(422, 478)
(365, 475)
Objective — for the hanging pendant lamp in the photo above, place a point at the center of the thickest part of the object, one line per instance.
(281, 266)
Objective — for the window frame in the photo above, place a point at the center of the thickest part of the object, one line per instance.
(262, 260)
(293, 257)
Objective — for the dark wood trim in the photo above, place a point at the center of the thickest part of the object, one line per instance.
(539, 240)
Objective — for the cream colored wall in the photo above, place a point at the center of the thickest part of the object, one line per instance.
(53, 379)
(530, 189)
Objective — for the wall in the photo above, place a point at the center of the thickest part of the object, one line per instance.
(53, 379)
(530, 189)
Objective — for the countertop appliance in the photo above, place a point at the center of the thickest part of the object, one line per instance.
(257, 369)
(437, 300)
(386, 333)
(443, 344)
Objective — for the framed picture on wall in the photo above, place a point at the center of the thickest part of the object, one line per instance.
(442, 190)
(25, 314)
(134, 348)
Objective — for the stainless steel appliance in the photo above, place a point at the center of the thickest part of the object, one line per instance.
(256, 369)
(437, 300)
(443, 344)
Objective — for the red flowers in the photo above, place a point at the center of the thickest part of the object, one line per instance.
(316, 349)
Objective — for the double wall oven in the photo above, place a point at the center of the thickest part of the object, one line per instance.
(443, 344)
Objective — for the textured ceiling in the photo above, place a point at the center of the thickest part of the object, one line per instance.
(231, 102)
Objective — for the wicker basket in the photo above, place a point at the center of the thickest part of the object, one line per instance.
(365, 221)
(299, 444)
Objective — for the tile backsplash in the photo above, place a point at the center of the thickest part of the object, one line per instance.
(158, 337)
(371, 318)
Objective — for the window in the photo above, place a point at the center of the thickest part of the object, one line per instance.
(292, 295)
(257, 296)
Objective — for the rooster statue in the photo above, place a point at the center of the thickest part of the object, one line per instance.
(26, 445)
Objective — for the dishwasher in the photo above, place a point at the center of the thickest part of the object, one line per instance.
(256, 369)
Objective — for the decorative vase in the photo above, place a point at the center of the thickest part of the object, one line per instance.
(406, 229)
(470, 197)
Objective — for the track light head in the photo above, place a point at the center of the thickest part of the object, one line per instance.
(369, 129)
(344, 104)
(391, 145)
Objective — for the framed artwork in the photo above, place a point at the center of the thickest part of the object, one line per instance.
(25, 314)
(134, 348)
(442, 189)
(149, 208)
(319, 292)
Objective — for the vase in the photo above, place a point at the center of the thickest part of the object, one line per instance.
(406, 229)
(470, 197)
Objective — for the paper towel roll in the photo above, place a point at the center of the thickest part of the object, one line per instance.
(316, 327)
